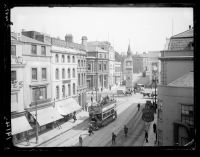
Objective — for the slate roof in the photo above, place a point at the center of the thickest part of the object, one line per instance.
(182, 41)
(186, 80)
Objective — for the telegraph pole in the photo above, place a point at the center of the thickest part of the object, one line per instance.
(96, 75)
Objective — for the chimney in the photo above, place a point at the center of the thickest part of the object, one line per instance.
(69, 38)
(189, 27)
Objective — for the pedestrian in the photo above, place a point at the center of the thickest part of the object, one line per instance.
(90, 130)
(154, 128)
(91, 98)
(113, 137)
(125, 130)
(146, 136)
(74, 116)
(138, 106)
(80, 140)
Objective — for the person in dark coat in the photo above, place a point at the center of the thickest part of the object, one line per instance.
(125, 130)
(146, 136)
(80, 140)
(90, 130)
(113, 138)
(138, 106)
(154, 128)
(74, 116)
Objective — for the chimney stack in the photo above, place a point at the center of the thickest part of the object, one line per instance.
(84, 40)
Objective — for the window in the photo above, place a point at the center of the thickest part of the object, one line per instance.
(33, 49)
(73, 59)
(13, 76)
(44, 73)
(89, 66)
(57, 92)
(69, 90)
(63, 90)
(56, 59)
(39, 91)
(187, 114)
(84, 63)
(13, 50)
(104, 66)
(79, 63)
(43, 50)
(99, 66)
(57, 74)
(68, 59)
(34, 73)
(74, 89)
(79, 79)
(63, 73)
(69, 75)
(100, 55)
(74, 73)
(82, 80)
(160, 137)
(63, 58)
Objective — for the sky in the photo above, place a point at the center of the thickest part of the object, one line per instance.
(145, 28)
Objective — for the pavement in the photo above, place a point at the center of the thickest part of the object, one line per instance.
(151, 134)
(45, 137)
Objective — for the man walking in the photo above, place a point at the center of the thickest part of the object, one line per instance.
(154, 128)
(138, 106)
(146, 136)
(125, 130)
(113, 138)
(90, 130)
(80, 140)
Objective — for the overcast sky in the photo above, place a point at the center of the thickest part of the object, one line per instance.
(146, 28)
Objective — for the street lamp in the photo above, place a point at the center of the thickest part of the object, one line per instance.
(40, 97)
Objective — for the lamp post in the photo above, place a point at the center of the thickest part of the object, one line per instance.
(155, 81)
(40, 97)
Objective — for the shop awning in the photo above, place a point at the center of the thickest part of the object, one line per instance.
(67, 106)
(46, 115)
(19, 124)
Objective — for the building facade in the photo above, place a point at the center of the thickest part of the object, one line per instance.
(97, 68)
(118, 73)
(176, 92)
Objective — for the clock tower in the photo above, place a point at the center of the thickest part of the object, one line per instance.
(128, 64)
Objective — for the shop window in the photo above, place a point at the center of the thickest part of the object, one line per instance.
(13, 50)
(187, 114)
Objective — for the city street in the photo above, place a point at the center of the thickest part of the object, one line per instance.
(127, 114)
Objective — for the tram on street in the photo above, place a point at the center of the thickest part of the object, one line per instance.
(102, 113)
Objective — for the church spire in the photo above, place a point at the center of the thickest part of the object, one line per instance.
(129, 50)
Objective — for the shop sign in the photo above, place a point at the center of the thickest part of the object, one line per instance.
(148, 115)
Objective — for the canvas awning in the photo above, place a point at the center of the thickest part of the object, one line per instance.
(46, 115)
(19, 124)
(67, 106)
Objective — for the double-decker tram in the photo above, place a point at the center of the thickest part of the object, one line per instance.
(102, 113)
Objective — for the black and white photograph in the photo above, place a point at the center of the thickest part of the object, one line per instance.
(106, 76)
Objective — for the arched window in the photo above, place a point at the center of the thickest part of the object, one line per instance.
(84, 63)
(74, 89)
(79, 64)
(74, 73)
(57, 92)
(69, 90)
(63, 58)
(63, 90)
(57, 74)
(73, 59)
(63, 73)
(56, 59)
(79, 79)
(69, 75)
(82, 80)
(68, 59)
